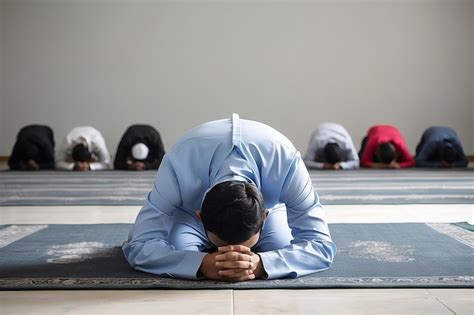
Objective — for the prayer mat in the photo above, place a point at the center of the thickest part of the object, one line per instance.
(364, 186)
(398, 255)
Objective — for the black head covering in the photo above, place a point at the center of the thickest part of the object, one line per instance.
(29, 151)
(387, 152)
(80, 153)
(447, 152)
(333, 153)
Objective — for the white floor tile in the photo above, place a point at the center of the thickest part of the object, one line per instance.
(369, 301)
(116, 302)
(334, 213)
(460, 301)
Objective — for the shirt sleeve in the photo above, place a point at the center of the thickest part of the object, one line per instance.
(369, 151)
(160, 151)
(14, 162)
(156, 154)
(314, 164)
(123, 150)
(406, 159)
(62, 156)
(424, 152)
(352, 161)
(310, 156)
(462, 161)
(311, 249)
(103, 154)
(148, 248)
(350, 164)
(47, 153)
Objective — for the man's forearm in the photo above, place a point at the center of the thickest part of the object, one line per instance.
(154, 257)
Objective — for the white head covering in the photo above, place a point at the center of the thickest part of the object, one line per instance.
(140, 151)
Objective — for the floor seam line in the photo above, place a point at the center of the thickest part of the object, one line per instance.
(232, 301)
(450, 309)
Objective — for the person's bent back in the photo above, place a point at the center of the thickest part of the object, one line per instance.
(140, 148)
(440, 147)
(33, 149)
(83, 149)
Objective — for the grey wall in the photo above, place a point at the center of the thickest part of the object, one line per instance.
(472, 77)
(2, 115)
(291, 64)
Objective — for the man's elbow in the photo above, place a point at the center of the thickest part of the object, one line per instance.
(131, 251)
(328, 251)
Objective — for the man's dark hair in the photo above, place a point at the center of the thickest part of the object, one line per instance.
(333, 153)
(233, 210)
(447, 152)
(80, 153)
(387, 152)
(29, 151)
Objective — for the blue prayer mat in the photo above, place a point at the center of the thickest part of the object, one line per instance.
(398, 255)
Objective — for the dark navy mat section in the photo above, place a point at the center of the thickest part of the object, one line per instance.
(412, 186)
(369, 255)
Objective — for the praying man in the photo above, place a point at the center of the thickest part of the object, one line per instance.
(232, 201)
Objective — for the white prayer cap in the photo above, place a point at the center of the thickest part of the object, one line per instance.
(140, 151)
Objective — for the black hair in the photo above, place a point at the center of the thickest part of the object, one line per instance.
(387, 152)
(80, 153)
(233, 210)
(447, 152)
(29, 151)
(333, 153)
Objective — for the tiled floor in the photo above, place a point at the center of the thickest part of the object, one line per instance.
(387, 301)
(333, 301)
(245, 302)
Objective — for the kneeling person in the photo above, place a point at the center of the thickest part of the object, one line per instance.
(385, 147)
(83, 149)
(440, 147)
(331, 147)
(33, 149)
(258, 216)
(140, 148)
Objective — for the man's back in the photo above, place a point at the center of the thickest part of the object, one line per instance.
(228, 149)
(42, 132)
(386, 132)
(440, 133)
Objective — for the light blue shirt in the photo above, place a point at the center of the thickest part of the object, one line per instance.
(168, 239)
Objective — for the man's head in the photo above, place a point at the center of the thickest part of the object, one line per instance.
(447, 153)
(333, 153)
(386, 152)
(140, 151)
(80, 153)
(29, 151)
(233, 213)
